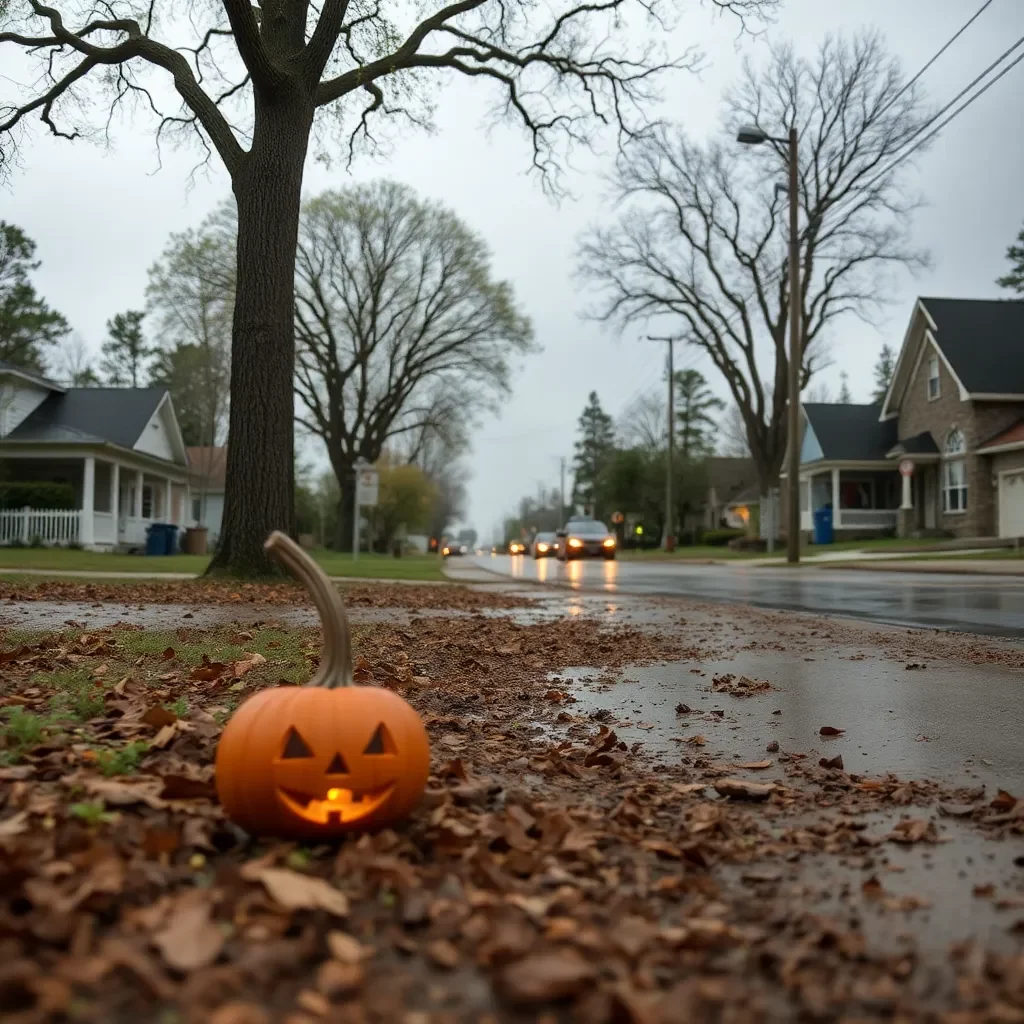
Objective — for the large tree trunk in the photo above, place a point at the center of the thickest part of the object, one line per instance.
(346, 477)
(259, 493)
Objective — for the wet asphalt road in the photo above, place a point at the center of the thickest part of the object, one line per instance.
(989, 605)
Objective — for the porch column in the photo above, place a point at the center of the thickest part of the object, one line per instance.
(115, 494)
(189, 518)
(169, 515)
(835, 498)
(137, 510)
(907, 501)
(86, 532)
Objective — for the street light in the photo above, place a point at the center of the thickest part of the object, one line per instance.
(751, 135)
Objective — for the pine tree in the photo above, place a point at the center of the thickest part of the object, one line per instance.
(597, 440)
(884, 369)
(696, 423)
(125, 351)
(845, 395)
(1014, 280)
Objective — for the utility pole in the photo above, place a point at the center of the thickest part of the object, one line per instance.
(668, 540)
(752, 135)
(561, 493)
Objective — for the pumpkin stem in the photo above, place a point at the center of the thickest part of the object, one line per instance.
(336, 661)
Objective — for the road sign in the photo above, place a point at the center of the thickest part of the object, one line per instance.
(366, 486)
(906, 468)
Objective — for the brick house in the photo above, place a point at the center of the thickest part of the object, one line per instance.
(954, 411)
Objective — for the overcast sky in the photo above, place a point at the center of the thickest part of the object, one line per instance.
(100, 218)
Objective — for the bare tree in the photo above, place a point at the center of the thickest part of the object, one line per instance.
(732, 434)
(644, 424)
(72, 363)
(704, 239)
(402, 332)
(258, 84)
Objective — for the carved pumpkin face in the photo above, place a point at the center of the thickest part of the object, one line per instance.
(313, 763)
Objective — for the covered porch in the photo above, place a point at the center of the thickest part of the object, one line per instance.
(865, 498)
(117, 499)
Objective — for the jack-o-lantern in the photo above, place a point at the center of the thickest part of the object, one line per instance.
(316, 761)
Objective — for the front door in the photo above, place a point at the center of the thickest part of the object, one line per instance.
(931, 497)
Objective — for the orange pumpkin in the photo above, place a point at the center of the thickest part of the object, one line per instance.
(317, 761)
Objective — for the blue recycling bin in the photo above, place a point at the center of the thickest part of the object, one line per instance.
(823, 533)
(161, 539)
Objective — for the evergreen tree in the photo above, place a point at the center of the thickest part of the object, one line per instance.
(28, 327)
(696, 423)
(596, 441)
(884, 369)
(125, 351)
(845, 395)
(186, 372)
(1014, 280)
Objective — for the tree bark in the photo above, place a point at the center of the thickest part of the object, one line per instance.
(346, 476)
(261, 431)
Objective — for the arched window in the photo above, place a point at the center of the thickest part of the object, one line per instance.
(954, 473)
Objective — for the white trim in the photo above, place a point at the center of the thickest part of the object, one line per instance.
(41, 450)
(1010, 446)
(918, 308)
(39, 381)
(964, 393)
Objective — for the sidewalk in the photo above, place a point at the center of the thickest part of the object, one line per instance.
(959, 566)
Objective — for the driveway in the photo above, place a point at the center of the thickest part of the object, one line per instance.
(988, 605)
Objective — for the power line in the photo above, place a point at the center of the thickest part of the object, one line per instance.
(949, 42)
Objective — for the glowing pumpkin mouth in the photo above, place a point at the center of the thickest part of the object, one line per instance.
(339, 805)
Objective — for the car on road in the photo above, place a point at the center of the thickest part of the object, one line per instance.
(585, 538)
(454, 548)
(516, 547)
(545, 545)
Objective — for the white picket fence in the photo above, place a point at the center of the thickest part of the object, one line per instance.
(53, 527)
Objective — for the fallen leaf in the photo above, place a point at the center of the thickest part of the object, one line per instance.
(181, 787)
(239, 1013)
(696, 741)
(312, 1002)
(740, 789)
(14, 826)
(297, 891)
(443, 953)
(168, 654)
(191, 938)
(913, 830)
(683, 709)
(830, 730)
(773, 747)
(832, 762)
(337, 980)
(546, 976)
(346, 949)
(159, 717)
(246, 664)
(986, 891)
(1003, 801)
(755, 765)
(872, 888)
(957, 810)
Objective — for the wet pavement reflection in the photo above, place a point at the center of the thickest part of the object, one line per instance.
(990, 605)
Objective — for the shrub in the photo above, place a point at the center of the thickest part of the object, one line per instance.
(719, 538)
(37, 494)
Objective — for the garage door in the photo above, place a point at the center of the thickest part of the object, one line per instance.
(1011, 504)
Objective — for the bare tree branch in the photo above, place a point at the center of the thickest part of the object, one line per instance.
(701, 237)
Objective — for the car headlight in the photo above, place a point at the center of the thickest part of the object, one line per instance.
(575, 542)
(609, 542)
(446, 551)
(542, 548)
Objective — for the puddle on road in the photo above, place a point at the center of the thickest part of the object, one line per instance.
(951, 723)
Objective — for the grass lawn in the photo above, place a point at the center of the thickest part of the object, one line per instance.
(57, 560)
(691, 553)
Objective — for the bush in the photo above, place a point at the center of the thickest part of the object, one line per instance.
(720, 538)
(37, 494)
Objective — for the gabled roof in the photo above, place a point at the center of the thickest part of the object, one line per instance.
(91, 415)
(29, 375)
(983, 340)
(208, 464)
(850, 433)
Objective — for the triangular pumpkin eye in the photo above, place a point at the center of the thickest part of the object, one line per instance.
(295, 746)
(380, 742)
(337, 766)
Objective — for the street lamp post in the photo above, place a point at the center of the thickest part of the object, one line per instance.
(668, 541)
(751, 135)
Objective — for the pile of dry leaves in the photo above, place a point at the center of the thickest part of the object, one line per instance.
(201, 592)
(552, 873)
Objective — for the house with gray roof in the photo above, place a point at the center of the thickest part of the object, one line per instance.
(944, 452)
(119, 449)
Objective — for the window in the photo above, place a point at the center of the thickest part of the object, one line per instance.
(197, 509)
(954, 473)
(147, 502)
(933, 378)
